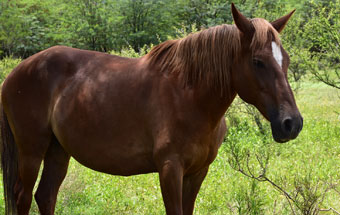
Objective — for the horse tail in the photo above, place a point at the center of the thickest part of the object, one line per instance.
(9, 163)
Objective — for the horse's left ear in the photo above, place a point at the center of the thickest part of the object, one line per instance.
(242, 23)
(280, 23)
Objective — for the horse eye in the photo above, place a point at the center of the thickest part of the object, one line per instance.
(258, 63)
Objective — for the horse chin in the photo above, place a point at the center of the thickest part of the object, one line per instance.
(280, 140)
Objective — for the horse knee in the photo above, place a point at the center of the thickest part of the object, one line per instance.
(39, 197)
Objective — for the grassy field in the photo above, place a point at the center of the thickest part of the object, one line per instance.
(307, 166)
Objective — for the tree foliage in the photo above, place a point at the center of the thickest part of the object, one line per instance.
(29, 26)
(322, 35)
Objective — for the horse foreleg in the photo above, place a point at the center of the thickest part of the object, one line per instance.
(191, 186)
(55, 167)
(171, 177)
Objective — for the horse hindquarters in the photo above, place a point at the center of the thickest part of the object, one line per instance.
(21, 160)
(27, 98)
(20, 170)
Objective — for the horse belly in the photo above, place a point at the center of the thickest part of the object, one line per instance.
(116, 162)
(121, 155)
(104, 141)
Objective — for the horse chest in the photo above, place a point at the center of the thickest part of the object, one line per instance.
(206, 151)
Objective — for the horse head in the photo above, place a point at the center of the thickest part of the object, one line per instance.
(259, 74)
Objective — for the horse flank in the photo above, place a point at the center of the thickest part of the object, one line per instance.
(206, 57)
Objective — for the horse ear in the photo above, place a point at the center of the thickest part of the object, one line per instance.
(280, 23)
(242, 23)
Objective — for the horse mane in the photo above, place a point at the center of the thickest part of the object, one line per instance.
(263, 31)
(207, 56)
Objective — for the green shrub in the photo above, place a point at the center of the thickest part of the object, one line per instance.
(130, 52)
(6, 66)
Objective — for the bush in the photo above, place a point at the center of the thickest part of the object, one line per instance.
(130, 52)
(6, 66)
(323, 42)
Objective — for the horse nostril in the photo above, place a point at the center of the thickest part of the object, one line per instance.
(287, 125)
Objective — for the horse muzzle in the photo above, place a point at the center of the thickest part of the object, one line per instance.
(287, 128)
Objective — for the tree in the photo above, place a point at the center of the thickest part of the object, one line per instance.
(323, 42)
(89, 23)
(27, 26)
(144, 22)
(206, 13)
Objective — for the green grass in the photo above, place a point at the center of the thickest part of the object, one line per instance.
(87, 192)
(313, 156)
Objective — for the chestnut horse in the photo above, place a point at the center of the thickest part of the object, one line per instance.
(163, 112)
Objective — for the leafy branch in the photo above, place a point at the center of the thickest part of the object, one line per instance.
(307, 197)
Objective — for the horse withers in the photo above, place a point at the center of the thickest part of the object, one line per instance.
(163, 112)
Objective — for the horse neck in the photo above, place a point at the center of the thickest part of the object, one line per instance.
(206, 57)
(206, 62)
(202, 58)
(201, 62)
(212, 103)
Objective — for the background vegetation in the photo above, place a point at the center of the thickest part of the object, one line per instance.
(252, 174)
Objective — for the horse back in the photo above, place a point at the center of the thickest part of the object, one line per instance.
(30, 91)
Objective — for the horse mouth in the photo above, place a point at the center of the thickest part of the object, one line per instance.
(281, 140)
(286, 129)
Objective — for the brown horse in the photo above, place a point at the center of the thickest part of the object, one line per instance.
(163, 112)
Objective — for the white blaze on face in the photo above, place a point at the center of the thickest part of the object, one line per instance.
(277, 53)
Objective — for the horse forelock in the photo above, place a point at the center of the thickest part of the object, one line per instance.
(202, 57)
(263, 31)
